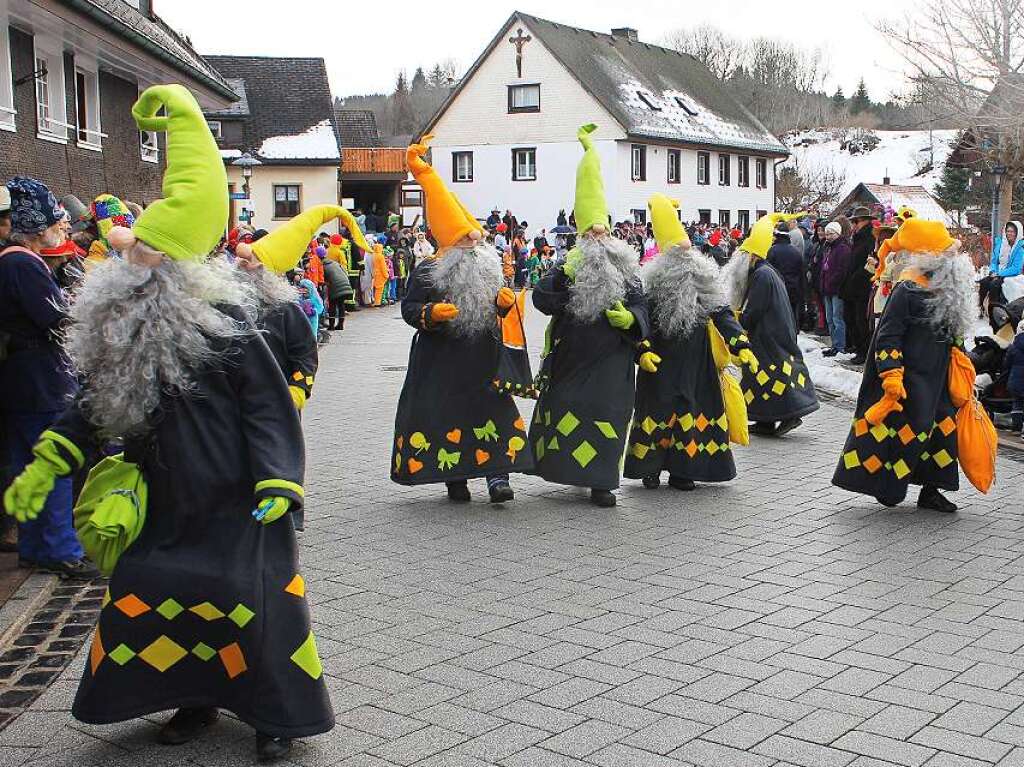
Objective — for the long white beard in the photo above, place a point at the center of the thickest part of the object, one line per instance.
(608, 266)
(139, 332)
(470, 278)
(269, 290)
(736, 277)
(683, 285)
(952, 305)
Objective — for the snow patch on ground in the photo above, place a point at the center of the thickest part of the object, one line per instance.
(315, 143)
(826, 372)
(900, 155)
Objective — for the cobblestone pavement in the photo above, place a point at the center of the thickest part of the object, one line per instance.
(771, 621)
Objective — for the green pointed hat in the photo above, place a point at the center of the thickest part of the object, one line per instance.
(187, 223)
(591, 208)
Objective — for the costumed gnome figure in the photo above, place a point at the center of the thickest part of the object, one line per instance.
(206, 608)
(904, 429)
(780, 392)
(598, 317)
(451, 426)
(679, 422)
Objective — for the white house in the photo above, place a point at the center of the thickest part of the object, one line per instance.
(506, 137)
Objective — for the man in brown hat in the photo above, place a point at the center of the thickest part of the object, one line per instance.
(856, 287)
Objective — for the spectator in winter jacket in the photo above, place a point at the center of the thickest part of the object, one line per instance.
(835, 263)
(1007, 261)
(339, 290)
(856, 288)
(813, 257)
(422, 248)
(494, 219)
(788, 261)
(1014, 365)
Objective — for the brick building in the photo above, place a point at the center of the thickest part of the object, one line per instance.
(70, 71)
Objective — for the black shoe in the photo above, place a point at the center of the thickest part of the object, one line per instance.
(72, 570)
(679, 483)
(186, 725)
(831, 352)
(888, 502)
(763, 428)
(500, 492)
(603, 498)
(787, 426)
(270, 749)
(860, 359)
(458, 492)
(652, 482)
(931, 498)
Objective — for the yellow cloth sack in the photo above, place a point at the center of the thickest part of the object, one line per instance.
(976, 439)
(732, 394)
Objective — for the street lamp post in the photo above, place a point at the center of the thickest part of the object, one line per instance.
(998, 171)
(247, 162)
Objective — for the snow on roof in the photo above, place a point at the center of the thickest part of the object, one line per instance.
(907, 157)
(316, 143)
(917, 197)
(230, 154)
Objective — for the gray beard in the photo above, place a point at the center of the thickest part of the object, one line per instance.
(608, 266)
(683, 285)
(736, 277)
(470, 278)
(138, 333)
(269, 290)
(952, 306)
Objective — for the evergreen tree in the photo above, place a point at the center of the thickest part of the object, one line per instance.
(860, 101)
(838, 99)
(419, 81)
(437, 78)
(403, 118)
(953, 190)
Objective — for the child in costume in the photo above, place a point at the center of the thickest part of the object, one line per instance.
(380, 271)
(679, 422)
(205, 609)
(904, 427)
(598, 317)
(780, 393)
(451, 426)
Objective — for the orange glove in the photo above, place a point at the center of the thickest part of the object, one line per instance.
(506, 297)
(443, 312)
(894, 391)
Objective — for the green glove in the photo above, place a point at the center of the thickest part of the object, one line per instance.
(620, 317)
(572, 262)
(271, 509)
(27, 494)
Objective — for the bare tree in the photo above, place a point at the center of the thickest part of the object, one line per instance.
(716, 49)
(808, 187)
(966, 57)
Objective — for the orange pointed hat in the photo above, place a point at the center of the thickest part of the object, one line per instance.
(447, 217)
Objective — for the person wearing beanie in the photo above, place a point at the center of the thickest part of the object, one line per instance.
(780, 393)
(206, 608)
(788, 261)
(107, 211)
(598, 317)
(904, 426)
(835, 262)
(452, 425)
(679, 421)
(35, 378)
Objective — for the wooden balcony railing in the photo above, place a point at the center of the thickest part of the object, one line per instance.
(373, 160)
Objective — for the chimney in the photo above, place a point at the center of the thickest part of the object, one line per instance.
(627, 32)
(885, 181)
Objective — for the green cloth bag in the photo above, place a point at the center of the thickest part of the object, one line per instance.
(111, 510)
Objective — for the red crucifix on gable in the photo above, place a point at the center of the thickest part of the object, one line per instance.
(519, 41)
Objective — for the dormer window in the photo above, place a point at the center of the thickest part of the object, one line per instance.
(686, 106)
(648, 101)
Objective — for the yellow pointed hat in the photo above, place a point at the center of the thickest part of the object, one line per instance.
(447, 217)
(590, 208)
(668, 229)
(762, 233)
(281, 250)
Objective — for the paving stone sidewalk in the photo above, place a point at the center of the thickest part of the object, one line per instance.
(774, 620)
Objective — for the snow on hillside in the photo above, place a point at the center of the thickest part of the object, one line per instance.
(906, 157)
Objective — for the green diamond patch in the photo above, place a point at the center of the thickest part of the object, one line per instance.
(241, 615)
(203, 651)
(122, 654)
(567, 425)
(607, 429)
(170, 609)
(584, 453)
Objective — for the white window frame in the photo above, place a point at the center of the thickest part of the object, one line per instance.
(515, 92)
(724, 169)
(149, 146)
(51, 117)
(462, 167)
(639, 216)
(7, 110)
(675, 166)
(761, 172)
(638, 162)
(725, 218)
(743, 170)
(94, 134)
(216, 128)
(703, 168)
(287, 197)
(524, 164)
(743, 219)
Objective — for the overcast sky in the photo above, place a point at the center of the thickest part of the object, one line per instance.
(365, 48)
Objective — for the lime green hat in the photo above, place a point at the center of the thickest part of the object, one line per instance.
(188, 222)
(591, 208)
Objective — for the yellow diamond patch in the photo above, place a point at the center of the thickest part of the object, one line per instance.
(207, 611)
(851, 460)
(880, 432)
(639, 451)
(761, 377)
(900, 468)
(648, 425)
(163, 653)
(787, 368)
(686, 422)
(778, 387)
(942, 458)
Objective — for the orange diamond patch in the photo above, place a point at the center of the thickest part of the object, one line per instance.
(860, 427)
(691, 448)
(872, 464)
(906, 434)
(947, 425)
(297, 586)
(96, 652)
(233, 660)
(702, 422)
(131, 606)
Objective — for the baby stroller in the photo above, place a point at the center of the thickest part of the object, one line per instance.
(988, 355)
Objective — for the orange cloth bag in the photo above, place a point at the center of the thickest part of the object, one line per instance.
(975, 434)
